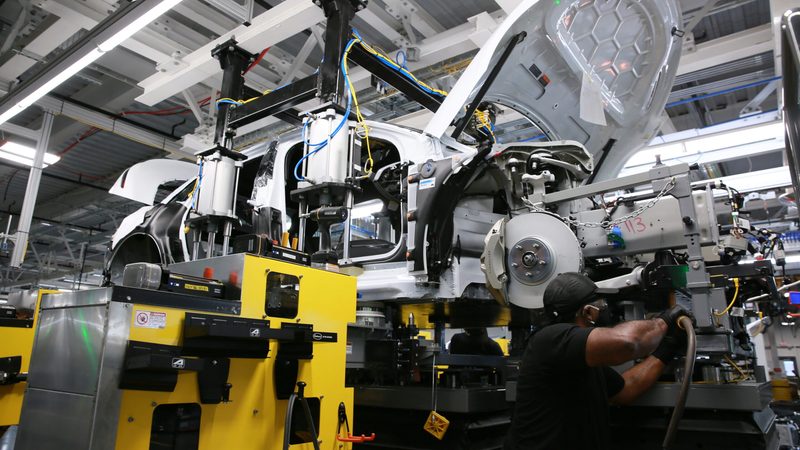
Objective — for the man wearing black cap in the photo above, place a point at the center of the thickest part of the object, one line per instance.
(566, 383)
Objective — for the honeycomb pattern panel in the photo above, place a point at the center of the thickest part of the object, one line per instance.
(614, 37)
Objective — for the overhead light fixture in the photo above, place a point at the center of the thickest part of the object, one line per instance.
(737, 138)
(737, 142)
(22, 154)
(104, 37)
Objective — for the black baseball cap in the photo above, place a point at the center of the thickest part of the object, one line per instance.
(568, 292)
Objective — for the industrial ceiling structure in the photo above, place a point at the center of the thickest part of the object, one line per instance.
(134, 104)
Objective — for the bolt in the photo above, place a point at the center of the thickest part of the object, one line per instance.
(518, 247)
(528, 274)
(695, 265)
(542, 263)
(503, 278)
(255, 411)
(130, 419)
(536, 246)
(153, 404)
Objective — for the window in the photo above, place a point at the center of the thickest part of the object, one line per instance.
(283, 293)
(789, 365)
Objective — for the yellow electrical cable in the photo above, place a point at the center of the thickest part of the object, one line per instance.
(742, 375)
(735, 295)
(391, 62)
(359, 118)
(481, 115)
(229, 99)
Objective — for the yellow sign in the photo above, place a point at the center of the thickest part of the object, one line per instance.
(195, 287)
(436, 425)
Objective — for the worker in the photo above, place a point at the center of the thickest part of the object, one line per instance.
(474, 341)
(566, 383)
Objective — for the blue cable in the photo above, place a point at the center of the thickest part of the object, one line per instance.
(723, 92)
(395, 68)
(219, 102)
(405, 59)
(321, 145)
(197, 187)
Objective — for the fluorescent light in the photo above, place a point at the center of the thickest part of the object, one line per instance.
(737, 138)
(28, 152)
(709, 147)
(22, 154)
(97, 51)
(366, 209)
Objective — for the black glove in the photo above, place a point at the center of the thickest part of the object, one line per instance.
(670, 347)
(671, 316)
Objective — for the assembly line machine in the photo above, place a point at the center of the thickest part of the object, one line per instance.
(232, 336)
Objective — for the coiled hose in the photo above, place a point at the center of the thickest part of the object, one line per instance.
(688, 369)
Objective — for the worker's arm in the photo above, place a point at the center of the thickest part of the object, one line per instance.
(624, 342)
(638, 379)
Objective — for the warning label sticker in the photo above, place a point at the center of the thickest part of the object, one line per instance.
(349, 349)
(150, 319)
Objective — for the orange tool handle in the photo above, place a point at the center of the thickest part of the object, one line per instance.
(357, 439)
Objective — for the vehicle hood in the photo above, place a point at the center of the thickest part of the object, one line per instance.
(593, 71)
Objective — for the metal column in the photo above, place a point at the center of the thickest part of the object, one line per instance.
(31, 192)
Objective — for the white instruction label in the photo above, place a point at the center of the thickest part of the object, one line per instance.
(427, 183)
(150, 319)
(349, 349)
(737, 312)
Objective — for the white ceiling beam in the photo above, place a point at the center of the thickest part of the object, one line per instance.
(279, 23)
(209, 18)
(424, 22)
(83, 15)
(299, 60)
(111, 124)
(726, 49)
(452, 42)
(380, 25)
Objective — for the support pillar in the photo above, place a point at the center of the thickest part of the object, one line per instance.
(31, 192)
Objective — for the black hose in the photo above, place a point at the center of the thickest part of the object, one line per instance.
(310, 420)
(688, 369)
(287, 423)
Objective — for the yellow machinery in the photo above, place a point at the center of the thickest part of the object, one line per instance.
(16, 342)
(133, 369)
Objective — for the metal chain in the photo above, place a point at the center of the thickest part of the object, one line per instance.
(611, 223)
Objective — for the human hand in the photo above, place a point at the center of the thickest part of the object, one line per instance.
(670, 347)
(671, 316)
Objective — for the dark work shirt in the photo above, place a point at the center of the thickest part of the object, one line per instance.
(561, 402)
